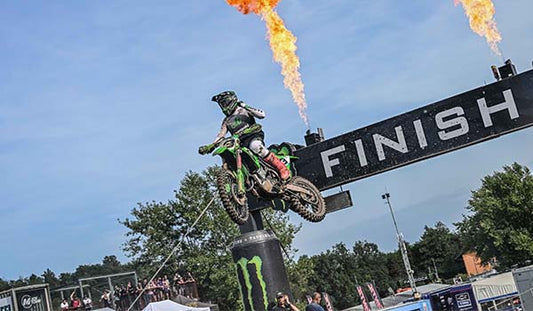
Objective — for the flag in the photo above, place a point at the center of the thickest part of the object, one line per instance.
(364, 303)
(375, 295)
(329, 307)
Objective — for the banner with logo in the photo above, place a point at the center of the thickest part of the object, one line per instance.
(456, 122)
(375, 295)
(32, 300)
(260, 270)
(329, 307)
(361, 293)
(5, 304)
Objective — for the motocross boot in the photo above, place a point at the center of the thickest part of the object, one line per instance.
(278, 165)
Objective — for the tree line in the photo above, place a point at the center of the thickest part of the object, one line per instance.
(497, 225)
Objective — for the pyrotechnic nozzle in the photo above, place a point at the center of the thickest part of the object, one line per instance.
(313, 138)
(495, 72)
(507, 70)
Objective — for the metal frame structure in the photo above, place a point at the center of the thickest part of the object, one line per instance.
(69, 288)
(108, 277)
(401, 243)
(82, 286)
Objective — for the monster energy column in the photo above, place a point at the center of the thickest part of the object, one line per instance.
(260, 269)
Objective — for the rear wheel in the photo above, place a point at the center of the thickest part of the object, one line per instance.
(234, 203)
(311, 205)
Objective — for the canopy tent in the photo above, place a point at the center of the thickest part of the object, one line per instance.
(168, 305)
(495, 287)
(191, 302)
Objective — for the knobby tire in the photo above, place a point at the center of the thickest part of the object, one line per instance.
(313, 212)
(237, 213)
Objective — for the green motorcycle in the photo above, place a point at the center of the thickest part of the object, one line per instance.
(245, 173)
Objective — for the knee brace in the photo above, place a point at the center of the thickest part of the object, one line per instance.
(258, 147)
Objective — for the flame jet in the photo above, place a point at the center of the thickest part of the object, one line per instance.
(481, 17)
(283, 46)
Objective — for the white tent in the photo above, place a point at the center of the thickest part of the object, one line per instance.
(168, 305)
(499, 286)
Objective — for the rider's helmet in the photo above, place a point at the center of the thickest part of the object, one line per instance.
(227, 101)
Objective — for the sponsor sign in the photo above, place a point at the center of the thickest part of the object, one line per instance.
(456, 122)
(463, 300)
(5, 304)
(32, 300)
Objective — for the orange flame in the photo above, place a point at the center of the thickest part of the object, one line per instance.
(481, 16)
(283, 46)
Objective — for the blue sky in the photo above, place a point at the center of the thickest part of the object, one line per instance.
(103, 105)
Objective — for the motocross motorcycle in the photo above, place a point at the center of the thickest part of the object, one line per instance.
(245, 173)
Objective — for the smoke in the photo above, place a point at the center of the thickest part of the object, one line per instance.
(481, 17)
(283, 46)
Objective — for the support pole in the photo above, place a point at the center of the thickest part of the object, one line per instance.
(259, 264)
(112, 292)
(401, 243)
(135, 278)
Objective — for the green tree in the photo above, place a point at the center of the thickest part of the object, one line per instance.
(338, 270)
(156, 227)
(438, 247)
(111, 262)
(4, 285)
(34, 279)
(50, 277)
(396, 270)
(335, 273)
(110, 265)
(67, 278)
(21, 281)
(500, 223)
(300, 273)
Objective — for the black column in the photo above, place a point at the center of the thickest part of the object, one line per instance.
(260, 269)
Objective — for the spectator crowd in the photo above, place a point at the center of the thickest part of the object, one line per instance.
(76, 303)
(122, 296)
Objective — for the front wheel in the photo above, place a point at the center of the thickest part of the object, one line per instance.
(234, 203)
(311, 205)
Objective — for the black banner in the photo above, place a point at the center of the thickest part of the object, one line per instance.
(459, 121)
(32, 300)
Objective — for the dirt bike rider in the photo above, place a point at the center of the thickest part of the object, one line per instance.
(240, 117)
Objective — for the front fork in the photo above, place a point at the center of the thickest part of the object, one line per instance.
(240, 174)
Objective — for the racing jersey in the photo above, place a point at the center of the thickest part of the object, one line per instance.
(239, 120)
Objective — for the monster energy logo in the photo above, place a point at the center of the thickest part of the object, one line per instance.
(243, 265)
(236, 122)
